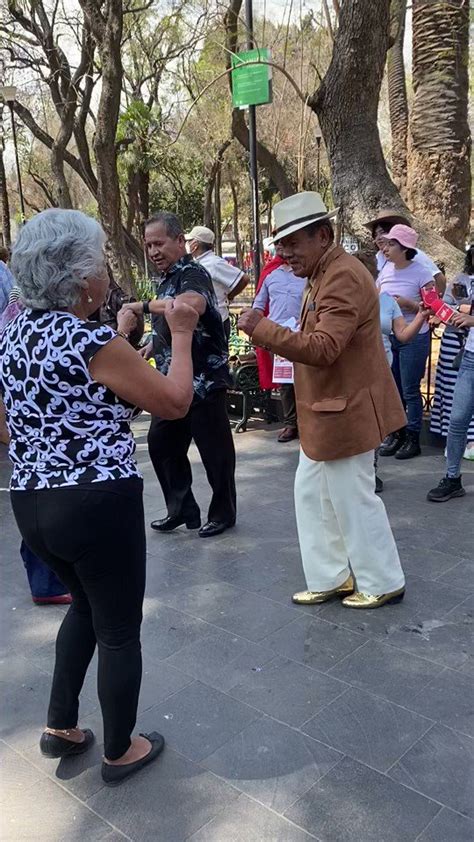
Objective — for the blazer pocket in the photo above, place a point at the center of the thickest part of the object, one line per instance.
(329, 405)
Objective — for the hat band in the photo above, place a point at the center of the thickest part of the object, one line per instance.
(312, 217)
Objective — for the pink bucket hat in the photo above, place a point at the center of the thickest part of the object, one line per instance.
(405, 235)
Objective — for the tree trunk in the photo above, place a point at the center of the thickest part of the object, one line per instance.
(217, 212)
(439, 176)
(211, 181)
(346, 105)
(397, 98)
(61, 190)
(106, 21)
(5, 206)
(235, 221)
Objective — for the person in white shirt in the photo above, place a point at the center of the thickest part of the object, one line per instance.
(404, 279)
(379, 229)
(228, 281)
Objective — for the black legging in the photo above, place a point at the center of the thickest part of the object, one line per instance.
(93, 537)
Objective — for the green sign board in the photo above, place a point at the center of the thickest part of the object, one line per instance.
(251, 83)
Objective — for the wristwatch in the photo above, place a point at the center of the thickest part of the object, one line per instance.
(146, 308)
(123, 334)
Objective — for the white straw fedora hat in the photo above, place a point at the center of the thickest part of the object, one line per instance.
(297, 212)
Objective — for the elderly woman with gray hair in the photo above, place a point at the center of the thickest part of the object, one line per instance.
(71, 388)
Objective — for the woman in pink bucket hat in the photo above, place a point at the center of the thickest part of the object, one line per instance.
(403, 278)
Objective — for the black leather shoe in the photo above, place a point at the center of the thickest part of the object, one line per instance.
(167, 524)
(392, 443)
(410, 447)
(114, 775)
(53, 746)
(214, 527)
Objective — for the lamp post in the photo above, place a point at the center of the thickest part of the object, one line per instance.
(8, 94)
(253, 154)
(318, 159)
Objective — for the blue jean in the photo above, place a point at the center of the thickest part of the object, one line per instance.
(408, 368)
(461, 414)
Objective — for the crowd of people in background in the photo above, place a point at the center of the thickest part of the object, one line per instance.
(357, 335)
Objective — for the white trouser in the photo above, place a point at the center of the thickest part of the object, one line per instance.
(341, 521)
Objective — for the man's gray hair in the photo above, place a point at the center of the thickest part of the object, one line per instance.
(171, 222)
(55, 252)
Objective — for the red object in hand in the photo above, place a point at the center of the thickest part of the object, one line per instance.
(432, 300)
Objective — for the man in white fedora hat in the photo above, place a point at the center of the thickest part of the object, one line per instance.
(347, 403)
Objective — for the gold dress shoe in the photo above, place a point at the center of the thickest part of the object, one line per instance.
(368, 600)
(315, 597)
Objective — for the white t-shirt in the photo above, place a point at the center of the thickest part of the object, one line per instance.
(420, 257)
(405, 282)
(224, 278)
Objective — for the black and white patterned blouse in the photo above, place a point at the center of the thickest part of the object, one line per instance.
(65, 428)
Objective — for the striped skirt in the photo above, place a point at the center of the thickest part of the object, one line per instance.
(444, 387)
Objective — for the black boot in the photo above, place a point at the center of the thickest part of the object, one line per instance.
(410, 447)
(447, 488)
(392, 443)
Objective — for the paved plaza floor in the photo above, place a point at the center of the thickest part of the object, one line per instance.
(282, 723)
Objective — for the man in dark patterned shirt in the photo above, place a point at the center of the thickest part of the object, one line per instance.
(207, 421)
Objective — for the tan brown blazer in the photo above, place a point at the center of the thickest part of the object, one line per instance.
(347, 400)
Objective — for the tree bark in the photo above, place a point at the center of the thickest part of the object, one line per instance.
(106, 22)
(210, 183)
(217, 212)
(397, 97)
(439, 144)
(346, 105)
(235, 221)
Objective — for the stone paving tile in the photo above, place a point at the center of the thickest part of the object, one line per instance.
(236, 610)
(385, 671)
(198, 719)
(221, 660)
(246, 821)
(288, 691)
(79, 775)
(211, 610)
(272, 763)
(369, 729)
(354, 803)
(440, 766)
(460, 576)
(447, 641)
(16, 774)
(314, 643)
(51, 814)
(448, 827)
(166, 631)
(449, 699)
(167, 801)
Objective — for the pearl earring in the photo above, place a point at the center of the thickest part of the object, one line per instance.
(89, 299)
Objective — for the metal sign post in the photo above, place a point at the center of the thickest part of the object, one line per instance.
(253, 156)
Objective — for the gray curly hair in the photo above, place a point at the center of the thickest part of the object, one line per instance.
(54, 254)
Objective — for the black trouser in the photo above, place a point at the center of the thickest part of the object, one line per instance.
(288, 402)
(207, 423)
(93, 537)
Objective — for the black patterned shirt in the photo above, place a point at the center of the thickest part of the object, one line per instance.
(65, 427)
(209, 346)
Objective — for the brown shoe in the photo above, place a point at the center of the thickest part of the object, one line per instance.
(288, 434)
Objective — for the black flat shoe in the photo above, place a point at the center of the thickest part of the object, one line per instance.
(214, 527)
(53, 746)
(167, 524)
(114, 775)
